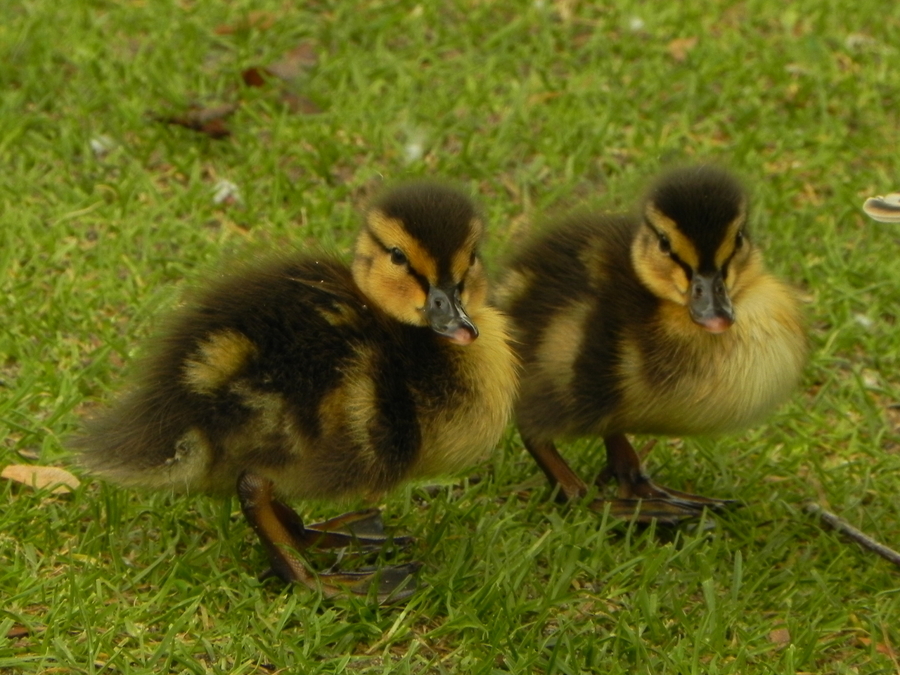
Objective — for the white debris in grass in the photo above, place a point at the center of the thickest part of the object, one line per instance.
(226, 192)
(102, 145)
(414, 148)
(864, 321)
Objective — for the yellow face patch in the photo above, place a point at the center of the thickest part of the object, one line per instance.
(390, 267)
(663, 276)
(391, 234)
(464, 258)
(390, 286)
(681, 245)
(475, 289)
(668, 279)
(728, 246)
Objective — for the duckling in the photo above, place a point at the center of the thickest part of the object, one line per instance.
(884, 209)
(664, 323)
(303, 377)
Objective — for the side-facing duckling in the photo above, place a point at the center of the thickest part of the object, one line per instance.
(665, 323)
(305, 378)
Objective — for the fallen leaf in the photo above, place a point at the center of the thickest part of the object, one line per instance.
(29, 453)
(880, 647)
(41, 477)
(780, 636)
(679, 47)
(288, 70)
(297, 103)
(17, 631)
(209, 121)
(257, 20)
(300, 59)
(253, 77)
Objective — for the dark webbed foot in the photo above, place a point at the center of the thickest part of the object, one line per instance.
(285, 538)
(639, 498)
(363, 529)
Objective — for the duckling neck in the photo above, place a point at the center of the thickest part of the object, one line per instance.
(470, 422)
(686, 380)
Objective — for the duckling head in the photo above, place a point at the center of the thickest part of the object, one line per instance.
(691, 247)
(417, 259)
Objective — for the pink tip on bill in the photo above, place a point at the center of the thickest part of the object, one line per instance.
(716, 324)
(462, 336)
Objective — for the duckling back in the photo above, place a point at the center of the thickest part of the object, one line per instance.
(568, 292)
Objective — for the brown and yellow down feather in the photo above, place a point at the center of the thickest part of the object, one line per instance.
(608, 345)
(324, 379)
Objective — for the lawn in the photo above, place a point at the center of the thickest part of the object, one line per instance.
(110, 207)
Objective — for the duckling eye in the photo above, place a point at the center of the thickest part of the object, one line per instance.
(398, 257)
(739, 239)
(664, 244)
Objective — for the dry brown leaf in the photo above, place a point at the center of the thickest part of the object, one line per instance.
(679, 48)
(297, 103)
(253, 77)
(41, 477)
(880, 647)
(300, 59)
(257, 20)
(209, 121)
(780, 636)
(288, 69)
(17, 631)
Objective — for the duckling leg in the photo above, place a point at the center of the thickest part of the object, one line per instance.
(640, 496)
(559, 473)
(284, 537)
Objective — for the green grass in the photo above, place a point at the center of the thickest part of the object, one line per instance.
(536, 107)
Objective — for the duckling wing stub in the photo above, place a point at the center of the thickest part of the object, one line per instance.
(283, 369)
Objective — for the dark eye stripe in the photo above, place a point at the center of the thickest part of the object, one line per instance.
(423, 281)
(728, 262)
(687, 268)
(420, 278)
(665, 245)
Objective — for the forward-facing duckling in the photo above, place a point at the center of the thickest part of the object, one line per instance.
(305, 378)
(664, 323)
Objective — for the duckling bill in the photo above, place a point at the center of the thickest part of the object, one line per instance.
(303, 378)
(661, 323)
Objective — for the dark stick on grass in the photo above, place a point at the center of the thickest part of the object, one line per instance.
(847, 529)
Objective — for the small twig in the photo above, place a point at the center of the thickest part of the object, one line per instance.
(860, 538)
